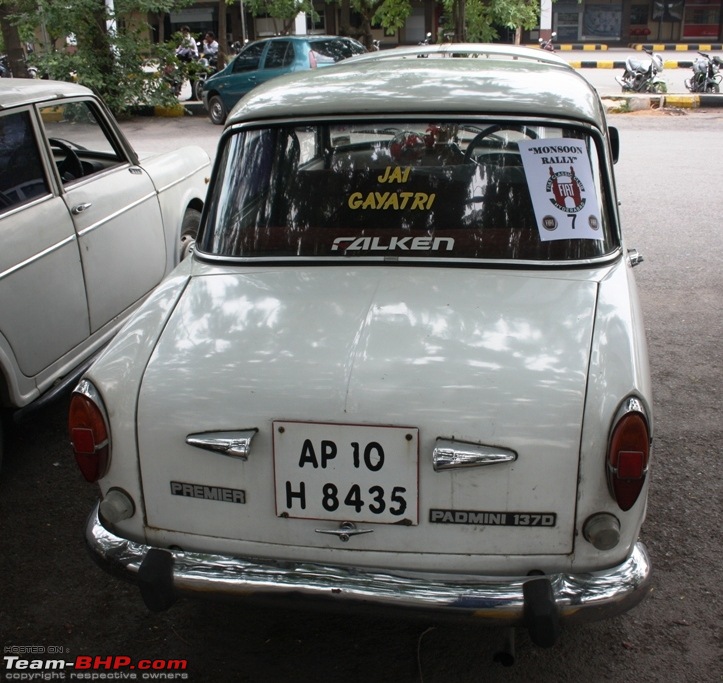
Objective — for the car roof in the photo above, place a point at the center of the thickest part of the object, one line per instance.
(460, 50)
(303, 38)
(512, 83)
(17, 92)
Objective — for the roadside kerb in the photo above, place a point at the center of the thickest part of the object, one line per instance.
(606, 64)
(639, 102)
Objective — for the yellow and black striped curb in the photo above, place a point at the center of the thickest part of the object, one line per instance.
(620, 64)
(627, 103)
(678, 47)
(654, 47)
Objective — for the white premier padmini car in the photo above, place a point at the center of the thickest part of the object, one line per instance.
(405, 365)
(88, 229)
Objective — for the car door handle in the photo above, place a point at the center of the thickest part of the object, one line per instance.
(79, 208)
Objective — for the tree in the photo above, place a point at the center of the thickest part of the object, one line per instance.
(108, 61)
(472, 20)
(388, 14)
(12, 41)
(285, 11)
(475, 20)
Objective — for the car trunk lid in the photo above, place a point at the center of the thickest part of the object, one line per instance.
(369, 364)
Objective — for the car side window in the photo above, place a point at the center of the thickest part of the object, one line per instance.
(248, 59)
(79, 142)
(279, 55)
(21, 168)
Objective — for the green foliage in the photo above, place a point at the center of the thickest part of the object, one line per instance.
(286, 10)
(114, 64)
(391, 15)
(481, 17)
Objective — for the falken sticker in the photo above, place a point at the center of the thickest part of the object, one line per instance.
(478, 517)
(561, 185)
(217, 493)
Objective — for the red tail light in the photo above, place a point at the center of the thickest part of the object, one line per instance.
(312, 59)
(628, 453)
(88, 432)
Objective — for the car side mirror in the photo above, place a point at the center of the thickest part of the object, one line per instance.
(614, 143)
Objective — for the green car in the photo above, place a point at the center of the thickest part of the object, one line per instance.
(265, 59)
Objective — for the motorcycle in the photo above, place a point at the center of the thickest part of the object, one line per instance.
(706, 77)
(205, 67)
(548, 44)
(641, 76)
(5, 71)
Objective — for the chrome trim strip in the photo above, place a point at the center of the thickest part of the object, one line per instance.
(37, 257)
(234, 444)
(112, 216)
(345, 531)
(580, 598)
(449, 454)
(190, 174)
(413, 261)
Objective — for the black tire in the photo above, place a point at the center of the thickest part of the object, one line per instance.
(659, 88)
(189, 232)
(713, 88)
(216, 110)
(197, 88)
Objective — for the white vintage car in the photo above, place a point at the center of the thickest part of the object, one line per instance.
(405, 365)
(88, 230)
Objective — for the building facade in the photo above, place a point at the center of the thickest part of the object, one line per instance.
(616, 23)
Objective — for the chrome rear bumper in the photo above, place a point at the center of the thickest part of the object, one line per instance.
(496, 600)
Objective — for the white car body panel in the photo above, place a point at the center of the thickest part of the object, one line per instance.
(50, 265)
(473, 372)
(121, 239)
(81, 256)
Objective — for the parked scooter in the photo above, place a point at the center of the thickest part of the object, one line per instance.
(641, 76)
(204, 68)
(548, 44)
(5, 71)
(706, 77)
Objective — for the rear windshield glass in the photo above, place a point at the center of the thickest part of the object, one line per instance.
(409, 190)
(334, 50)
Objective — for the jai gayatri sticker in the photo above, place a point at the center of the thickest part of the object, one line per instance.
(561, 185)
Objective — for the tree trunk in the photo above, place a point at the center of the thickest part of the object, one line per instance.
(161, 27)
(460, 31)
(222, 39)
(345, 19)
(13, 45)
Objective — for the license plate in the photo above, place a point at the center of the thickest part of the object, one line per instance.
(354, 473)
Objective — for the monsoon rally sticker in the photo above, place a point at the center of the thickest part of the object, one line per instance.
(562, 189)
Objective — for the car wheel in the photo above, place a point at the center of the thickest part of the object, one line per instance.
(216, 110)
(189, 232)
(198, 89)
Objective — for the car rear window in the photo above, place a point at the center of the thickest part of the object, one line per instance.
(334, 50)
(410, 190)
